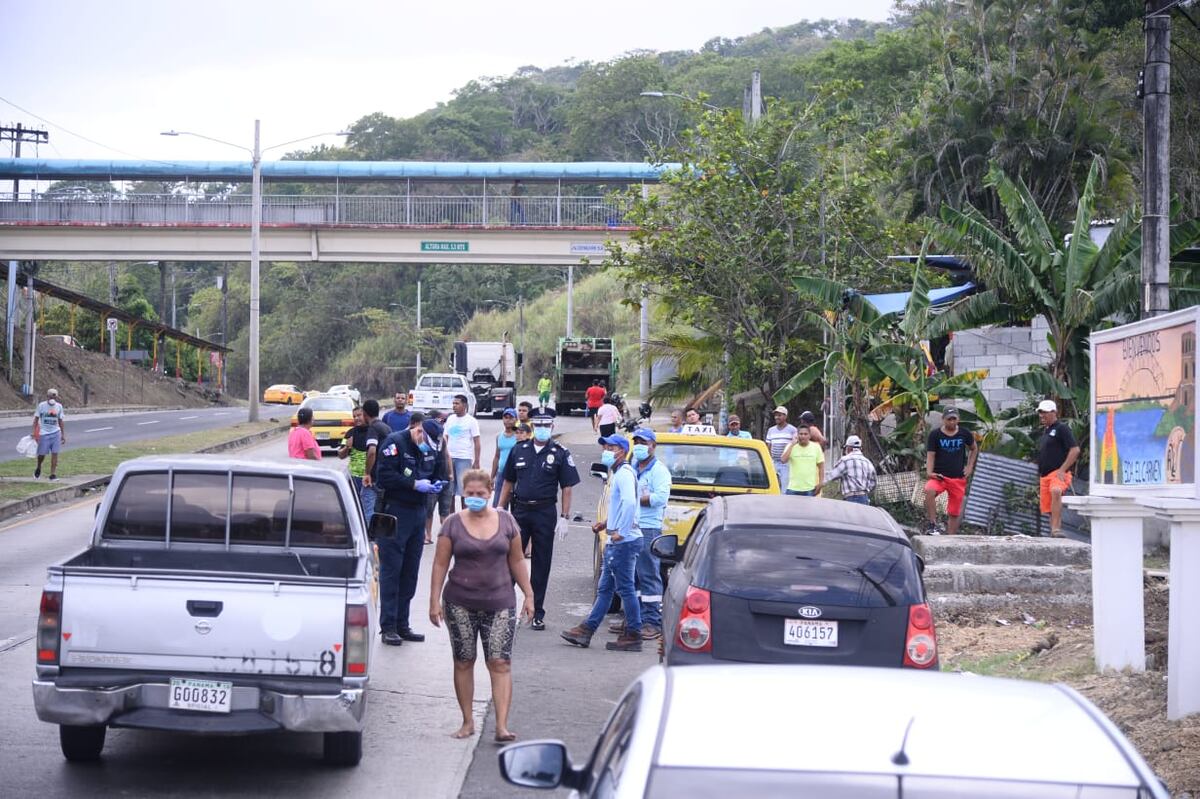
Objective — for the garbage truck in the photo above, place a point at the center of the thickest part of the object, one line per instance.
(579, 361)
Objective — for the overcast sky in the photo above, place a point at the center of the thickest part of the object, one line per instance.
(120, 71)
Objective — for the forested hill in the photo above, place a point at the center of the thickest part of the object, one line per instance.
(920, 107)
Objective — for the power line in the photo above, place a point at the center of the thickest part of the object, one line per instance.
(68, 131)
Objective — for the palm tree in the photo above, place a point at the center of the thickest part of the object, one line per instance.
(1032, 270)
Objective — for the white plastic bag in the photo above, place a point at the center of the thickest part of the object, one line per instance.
(27, 446)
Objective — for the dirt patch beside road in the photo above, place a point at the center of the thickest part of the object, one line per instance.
(1030, 645)
(109, 382)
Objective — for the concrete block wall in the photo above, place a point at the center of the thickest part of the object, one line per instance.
(1004, 352)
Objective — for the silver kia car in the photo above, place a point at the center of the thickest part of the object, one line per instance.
(787, 731)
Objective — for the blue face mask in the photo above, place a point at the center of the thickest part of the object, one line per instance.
(641, 452)
(608, 457)
(425, 448)
(475, 504)
(541, 434)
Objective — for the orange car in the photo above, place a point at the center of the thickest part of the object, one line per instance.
(283, 394)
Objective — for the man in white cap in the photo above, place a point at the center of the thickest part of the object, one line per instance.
(1057, 453)
(856, 472)
(49, 431)
(778, 437)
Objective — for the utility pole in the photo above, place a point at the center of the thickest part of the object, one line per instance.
(755, 96)
(521, 318)
(418, 374)
(223, 284)
(112, 300)
(255, 229)
(1156, 159)
(570, 300)
(16, 134)
(163, 268)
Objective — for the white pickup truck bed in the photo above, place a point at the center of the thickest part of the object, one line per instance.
(216, 597)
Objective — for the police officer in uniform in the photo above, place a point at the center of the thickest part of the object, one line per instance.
(536, 471)
(409, 469)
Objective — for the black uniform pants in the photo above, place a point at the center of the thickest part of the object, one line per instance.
(538, 524)
(399, 562)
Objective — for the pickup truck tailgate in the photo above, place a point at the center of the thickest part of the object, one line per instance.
(164, 624)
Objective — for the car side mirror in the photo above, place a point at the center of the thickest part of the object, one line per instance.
(599, 470)
(383, 525)
(535, 764)
(666, 548)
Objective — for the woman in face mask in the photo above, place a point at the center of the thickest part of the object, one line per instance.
(478, 602)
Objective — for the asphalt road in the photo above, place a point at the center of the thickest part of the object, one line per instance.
(102, 429)
(560, 691)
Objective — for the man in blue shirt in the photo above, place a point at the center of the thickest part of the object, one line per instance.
(735, 427)
(399, 417)
(653, 489)
(620, 556)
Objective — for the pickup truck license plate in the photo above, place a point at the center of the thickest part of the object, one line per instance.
(204, 695)
(807, 632)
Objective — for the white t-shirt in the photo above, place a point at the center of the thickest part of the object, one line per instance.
(49, 415)
(608, 414)
(461, 431)
(777, 440)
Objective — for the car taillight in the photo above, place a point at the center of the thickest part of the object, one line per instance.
(695, 621)
(49, 628)
(357, 645)
(920, 642)
(295, 421)
(410, 398)
(347, 423)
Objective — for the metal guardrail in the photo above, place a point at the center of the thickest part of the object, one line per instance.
(411, 209)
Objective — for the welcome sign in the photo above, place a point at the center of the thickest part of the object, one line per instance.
(1144, 409)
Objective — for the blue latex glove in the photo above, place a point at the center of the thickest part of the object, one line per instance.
(425, 487)
(438, 485)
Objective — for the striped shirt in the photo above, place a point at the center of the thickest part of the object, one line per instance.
(856, 472)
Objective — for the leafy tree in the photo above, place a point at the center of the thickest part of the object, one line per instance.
(1031, 268)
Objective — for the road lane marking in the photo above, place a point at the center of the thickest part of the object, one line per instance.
(97, 429)
(185, 418)
(143, 424)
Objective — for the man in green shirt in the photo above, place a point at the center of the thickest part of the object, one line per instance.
(544, 391)
(806, 463)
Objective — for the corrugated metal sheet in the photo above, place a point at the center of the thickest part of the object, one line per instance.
(1004, 492)
(578, 172)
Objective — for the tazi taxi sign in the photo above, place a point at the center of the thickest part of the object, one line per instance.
(698, 430)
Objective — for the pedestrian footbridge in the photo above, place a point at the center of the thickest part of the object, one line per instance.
(400, 212)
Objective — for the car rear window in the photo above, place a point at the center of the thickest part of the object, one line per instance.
(330, 404)
(709, 465)
(824, 567)
(257, 509)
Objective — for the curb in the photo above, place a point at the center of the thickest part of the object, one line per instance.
(67, 493)
(21, 414)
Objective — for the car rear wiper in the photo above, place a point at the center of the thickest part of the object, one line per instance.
(878, 586)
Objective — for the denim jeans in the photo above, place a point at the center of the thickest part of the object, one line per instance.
(620, 560)
(367, 497)
(809, 493)
(861, 499)
(649, 580)
(399, 562)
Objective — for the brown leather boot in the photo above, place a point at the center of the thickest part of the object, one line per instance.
(579, 636)
(628, 642)
(617, 628)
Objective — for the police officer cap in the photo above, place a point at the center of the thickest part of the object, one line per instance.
(543, 415)
(433, 431)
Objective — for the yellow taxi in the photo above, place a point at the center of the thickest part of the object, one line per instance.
(332, 419)
(703, 465)
(283, 394)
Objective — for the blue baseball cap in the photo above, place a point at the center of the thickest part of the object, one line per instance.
(615, 440)
(645, 434)
(433, 430)
(509, 412)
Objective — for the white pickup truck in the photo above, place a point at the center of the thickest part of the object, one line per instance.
(218, 597)
(435, 391)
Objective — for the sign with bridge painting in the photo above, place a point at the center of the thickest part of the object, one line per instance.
(1144, 409)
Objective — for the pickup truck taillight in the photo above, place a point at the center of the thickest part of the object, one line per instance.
(410, 398)
(357, 644)
(49, 628)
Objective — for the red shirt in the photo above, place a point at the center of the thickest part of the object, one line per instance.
(595, 396)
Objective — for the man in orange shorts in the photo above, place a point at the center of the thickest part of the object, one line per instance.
(949, 460)
(1057, 453)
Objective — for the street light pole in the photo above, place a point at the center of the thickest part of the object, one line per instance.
(255, 229)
